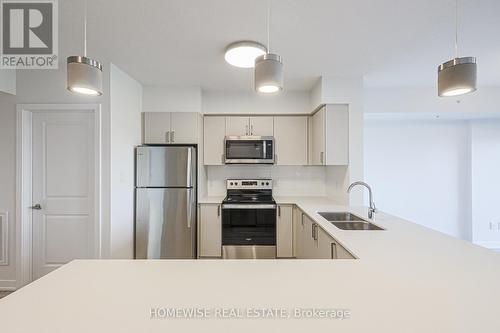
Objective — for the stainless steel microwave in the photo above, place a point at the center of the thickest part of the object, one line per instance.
(249, 150)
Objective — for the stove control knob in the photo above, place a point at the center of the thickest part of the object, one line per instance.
(267, 183)
(262, 183)
(231, 183)
(236, 183)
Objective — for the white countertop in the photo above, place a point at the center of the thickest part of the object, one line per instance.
(407, 279)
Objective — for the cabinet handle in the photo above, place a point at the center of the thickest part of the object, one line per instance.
(168, 136)
(312, 231)
(302, 219)
(223, 159)
(279, 211)
(321, 157)
(275, 158)
(251, 129)
(334, 251)
(246, 129)
(172, 136)
(218, 210)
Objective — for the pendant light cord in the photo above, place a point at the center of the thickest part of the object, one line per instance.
(85, 28)
(268, 19)
(456, 28)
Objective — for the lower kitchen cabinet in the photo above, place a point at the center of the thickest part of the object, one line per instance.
(312, 242)
(284, 231)
(209, 231)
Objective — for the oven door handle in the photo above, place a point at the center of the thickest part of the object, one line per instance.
(244, 206)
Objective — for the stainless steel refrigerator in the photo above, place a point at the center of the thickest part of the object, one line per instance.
(165, 202)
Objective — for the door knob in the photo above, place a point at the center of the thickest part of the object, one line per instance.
(37, 207)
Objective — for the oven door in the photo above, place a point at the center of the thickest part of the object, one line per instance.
(249, 231)
(249, 150)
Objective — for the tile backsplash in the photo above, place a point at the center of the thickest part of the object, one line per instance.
(287, 180)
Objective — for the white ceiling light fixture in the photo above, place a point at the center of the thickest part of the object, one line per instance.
(459, 75)
(243, 53)
(268, 75)
(84, 74)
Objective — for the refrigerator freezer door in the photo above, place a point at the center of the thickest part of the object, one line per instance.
(165, 223)
(165, 166)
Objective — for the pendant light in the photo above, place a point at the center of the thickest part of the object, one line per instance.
(457, 76)
(84, 74)
(268, 74)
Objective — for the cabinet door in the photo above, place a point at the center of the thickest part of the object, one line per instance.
(310, 245)
(284, 232)
(337, 135)
(184, 127)
(156, 127)
(290, 140)
(210, 231)
(214, 129)
(261, 126)
(317, 138)
(237, 126)
(326, 247)
(299, 225)
(341, 252)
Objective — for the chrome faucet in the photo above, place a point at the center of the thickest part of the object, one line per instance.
(372, 209)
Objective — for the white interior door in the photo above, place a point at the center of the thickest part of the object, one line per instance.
(63, 164)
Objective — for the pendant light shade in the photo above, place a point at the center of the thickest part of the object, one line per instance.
(457, 77)
(268, 73)
(84, 76)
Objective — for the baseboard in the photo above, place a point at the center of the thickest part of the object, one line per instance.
(8, 285)
(489, 244)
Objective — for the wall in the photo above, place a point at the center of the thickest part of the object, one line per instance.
(171, 99)
(287, 180)
(8, 181)
(288, 102)
(419, 170)
(408, 100)
(8, 81)
(485, 154)
(125, 109)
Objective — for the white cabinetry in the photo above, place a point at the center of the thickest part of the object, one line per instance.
(329, 136)
(214, 130)
(171, 127)
(312, 242)
(284, 231)
(209, 231)
(290, 140)
(260, 126)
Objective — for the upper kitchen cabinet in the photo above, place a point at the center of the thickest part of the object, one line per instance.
(258, 126)
(214, 130)
(329, 136)
(171, 127)
(290, 140)
(261, 126)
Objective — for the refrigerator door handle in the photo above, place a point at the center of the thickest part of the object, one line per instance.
(189, 194)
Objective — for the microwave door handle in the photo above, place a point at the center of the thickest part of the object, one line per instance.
(264, 152)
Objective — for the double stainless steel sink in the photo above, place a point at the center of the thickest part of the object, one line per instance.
(348, 221)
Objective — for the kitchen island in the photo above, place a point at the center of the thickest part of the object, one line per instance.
(407, 278)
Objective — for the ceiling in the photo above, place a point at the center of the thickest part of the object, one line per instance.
(389, 42)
